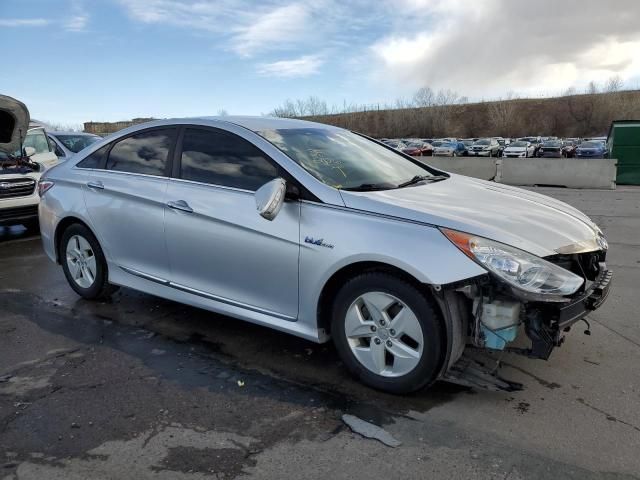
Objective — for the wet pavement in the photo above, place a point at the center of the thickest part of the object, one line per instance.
(141, 387)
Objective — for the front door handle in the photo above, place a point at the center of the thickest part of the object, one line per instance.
(180, 205)
(97, 185)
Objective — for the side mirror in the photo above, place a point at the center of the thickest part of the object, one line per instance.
(29, 151)
(270, 197)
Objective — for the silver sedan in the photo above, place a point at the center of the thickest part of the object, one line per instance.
(324, 233)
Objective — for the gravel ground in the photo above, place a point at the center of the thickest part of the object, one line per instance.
(140, 387)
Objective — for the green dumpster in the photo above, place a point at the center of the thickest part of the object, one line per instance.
(624, 145)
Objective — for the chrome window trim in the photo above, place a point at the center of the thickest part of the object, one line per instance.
(104, 170)
(206, 295)
(214, 185)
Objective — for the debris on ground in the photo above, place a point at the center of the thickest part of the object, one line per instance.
(369, 430)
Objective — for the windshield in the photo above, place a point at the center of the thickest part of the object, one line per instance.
(343, 159)
(483, 142)
(553, 143)
(437, 144)
(448, 145)
(591, 145)
(75, 143)
(518, 144)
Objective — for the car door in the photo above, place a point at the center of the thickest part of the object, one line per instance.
(219, 246)
(44, 154)
(125, 200)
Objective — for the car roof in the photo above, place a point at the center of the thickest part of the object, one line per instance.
(267, 123)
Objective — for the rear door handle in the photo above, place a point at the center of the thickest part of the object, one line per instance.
(180, 205)
(97, 185)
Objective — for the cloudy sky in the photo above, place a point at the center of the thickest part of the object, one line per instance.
(78, 60)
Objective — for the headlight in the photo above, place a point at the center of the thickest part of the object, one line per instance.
(518, 268)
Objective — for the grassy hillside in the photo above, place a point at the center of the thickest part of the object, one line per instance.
(568, 116)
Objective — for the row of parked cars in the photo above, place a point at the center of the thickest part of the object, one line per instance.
(25, 157)
(523, 147)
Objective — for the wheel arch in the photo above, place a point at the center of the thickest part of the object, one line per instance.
(339, 277)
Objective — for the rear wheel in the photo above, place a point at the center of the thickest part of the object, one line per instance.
(387, 332)
(84, 264)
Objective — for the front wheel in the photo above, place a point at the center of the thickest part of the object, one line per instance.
(84, 264)
(387, 333)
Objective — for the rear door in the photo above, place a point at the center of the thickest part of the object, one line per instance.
(219, 246)
(125, 200)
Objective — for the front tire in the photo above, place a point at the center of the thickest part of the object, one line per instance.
(84, 264)
(387, 333)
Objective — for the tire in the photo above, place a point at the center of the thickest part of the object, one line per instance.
(406, 360)
(78, 246)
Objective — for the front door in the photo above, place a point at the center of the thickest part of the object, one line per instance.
(218, 244)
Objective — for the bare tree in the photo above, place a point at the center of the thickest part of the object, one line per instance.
(614, 84)
(502, 114)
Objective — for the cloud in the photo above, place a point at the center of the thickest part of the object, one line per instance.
(282, 25)
(298, 67)
(247, 28)
(484, 48)
(23, 22)
(76, 23)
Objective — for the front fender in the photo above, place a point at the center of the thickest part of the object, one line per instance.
(349, 236)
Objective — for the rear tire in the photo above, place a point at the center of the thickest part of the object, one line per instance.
(387, 333)
(84, 264)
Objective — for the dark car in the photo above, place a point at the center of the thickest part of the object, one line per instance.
(569, 148)
(418, 149)
(591, 150)
(551, 148)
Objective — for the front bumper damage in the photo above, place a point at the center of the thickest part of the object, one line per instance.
(544, 323)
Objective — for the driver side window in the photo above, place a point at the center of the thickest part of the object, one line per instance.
(221, 158)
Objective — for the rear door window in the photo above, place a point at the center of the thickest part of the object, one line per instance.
(144, 153)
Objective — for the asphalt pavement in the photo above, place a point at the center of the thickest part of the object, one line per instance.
(140, 387)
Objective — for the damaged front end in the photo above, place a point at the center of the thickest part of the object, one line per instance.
(491, 310)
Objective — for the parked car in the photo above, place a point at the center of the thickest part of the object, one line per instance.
(593, 149)
(418, 149)
(485, 147)
(449, 149)
(67, 144)
(467, 144)
(535, 141)
(569, 148)
(551, 148)
(519, 149)
(24, 154)
(317, 231)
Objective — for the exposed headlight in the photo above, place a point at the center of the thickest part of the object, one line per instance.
(517, 268)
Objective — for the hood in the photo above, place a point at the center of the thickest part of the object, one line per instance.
(532, 222)
(14, 122)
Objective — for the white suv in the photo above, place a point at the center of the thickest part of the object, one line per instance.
(25, 153)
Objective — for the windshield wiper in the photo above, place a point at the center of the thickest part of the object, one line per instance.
(422, 178)
(369, 187)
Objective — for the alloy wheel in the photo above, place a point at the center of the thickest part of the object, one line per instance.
(384, 334)
(81, 261)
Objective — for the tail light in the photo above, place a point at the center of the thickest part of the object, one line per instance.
(44, 186)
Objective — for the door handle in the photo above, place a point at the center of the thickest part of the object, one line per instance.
(97, 185)
(180, 205)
